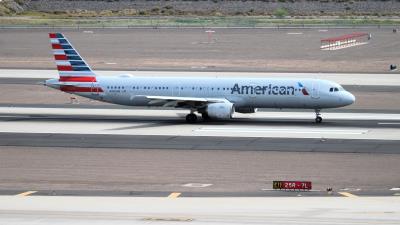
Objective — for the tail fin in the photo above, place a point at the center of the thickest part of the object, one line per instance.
(70, 65)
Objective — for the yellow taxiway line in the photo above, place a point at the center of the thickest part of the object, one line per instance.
(174, 195)
(26, 193)
(347, 194)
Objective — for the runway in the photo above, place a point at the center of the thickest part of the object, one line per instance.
(95, 148)
(145, 151)
(101, 210)
(296, 125)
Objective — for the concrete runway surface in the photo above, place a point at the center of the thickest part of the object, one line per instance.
(111, 210)
(170, 123)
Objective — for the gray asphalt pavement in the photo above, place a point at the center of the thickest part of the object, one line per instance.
(199, 143)
(113, 171)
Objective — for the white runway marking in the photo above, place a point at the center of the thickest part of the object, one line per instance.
(389, 123)
(196, 185)
(152, 122)
(280, 130)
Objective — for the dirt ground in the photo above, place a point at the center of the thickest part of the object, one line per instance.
(294, 50)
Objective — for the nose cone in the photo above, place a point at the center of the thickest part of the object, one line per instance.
(348, 98)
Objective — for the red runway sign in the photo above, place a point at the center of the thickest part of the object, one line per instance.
(292, 185)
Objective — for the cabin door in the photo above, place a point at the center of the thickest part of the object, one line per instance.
(315, 90)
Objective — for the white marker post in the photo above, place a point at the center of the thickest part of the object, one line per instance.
(210, 35)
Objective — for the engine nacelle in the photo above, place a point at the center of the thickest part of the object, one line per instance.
(245, 109)
(220, 110)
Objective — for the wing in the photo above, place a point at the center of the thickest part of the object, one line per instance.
(183, 102)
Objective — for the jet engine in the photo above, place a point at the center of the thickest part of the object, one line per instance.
(220, 110)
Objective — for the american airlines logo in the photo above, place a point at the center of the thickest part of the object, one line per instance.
(303, 89)
(266, 90)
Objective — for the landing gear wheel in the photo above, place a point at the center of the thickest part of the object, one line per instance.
(191, 118)
(318, 118)
(205, 116)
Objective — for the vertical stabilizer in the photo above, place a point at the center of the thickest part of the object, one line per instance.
(70, 65)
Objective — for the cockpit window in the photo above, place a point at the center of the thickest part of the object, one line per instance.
(335, 89)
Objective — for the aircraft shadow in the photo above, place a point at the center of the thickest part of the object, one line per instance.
(152, 121)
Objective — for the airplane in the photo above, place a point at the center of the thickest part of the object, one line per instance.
(212, 97)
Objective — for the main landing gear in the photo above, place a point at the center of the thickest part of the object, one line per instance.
(191, 118)
(318, 118)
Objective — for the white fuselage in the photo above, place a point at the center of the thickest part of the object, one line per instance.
(242, 92)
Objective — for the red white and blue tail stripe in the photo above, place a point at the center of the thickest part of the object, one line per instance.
(70, 65)
(76, 76)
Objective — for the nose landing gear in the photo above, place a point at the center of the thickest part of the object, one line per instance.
(318, 118)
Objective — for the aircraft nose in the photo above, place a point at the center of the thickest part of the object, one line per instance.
(348, 98)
